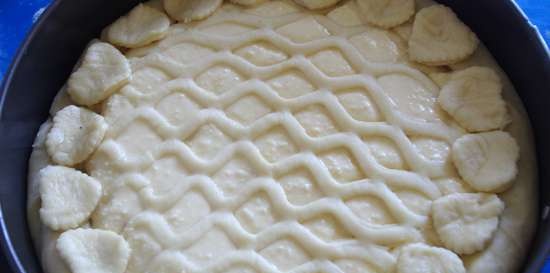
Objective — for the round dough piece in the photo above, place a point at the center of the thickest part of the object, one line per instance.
(420, 258)
(316, 4)
(439, 37)
(68, 197)
(191, 10)
(473, 98)
(386, 13)
(75, 134)
(466, 222)
(102, 72)
(487, 161)
(247, 2)
(93, 250)
(141, 26)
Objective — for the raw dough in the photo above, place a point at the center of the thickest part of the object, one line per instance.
(240, 146)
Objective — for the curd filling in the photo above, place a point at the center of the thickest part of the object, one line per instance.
(261, 136)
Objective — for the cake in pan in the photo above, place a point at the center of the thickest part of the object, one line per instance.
(281, 136)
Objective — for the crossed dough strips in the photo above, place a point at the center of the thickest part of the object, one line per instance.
(436, 31)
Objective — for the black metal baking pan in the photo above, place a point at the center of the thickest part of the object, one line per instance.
(51, 49)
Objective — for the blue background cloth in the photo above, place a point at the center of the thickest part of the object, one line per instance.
(17, 17)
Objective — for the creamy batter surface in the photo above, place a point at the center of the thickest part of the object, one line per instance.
(272, 138)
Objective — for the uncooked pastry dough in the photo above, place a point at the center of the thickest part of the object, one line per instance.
(386, 13)
(75, 134)
(68, 197)
(465, 222)
(473, 98)
(317, 4)
(438, 37)
(103, 70)
(273, 139)
(86, 250)
(422, 258)
(142, 25)
(487, 161)
(190, 10)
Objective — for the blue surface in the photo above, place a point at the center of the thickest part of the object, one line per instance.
(538, 12)
(17, 17)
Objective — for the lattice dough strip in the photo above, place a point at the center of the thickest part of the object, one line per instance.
(240, 258)
(339, 43)
(273, 189)
(381, 99)
(171, 146)
(366, 162)
(155, 225)
(329, 101)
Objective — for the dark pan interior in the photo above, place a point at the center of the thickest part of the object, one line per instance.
(52, 48)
